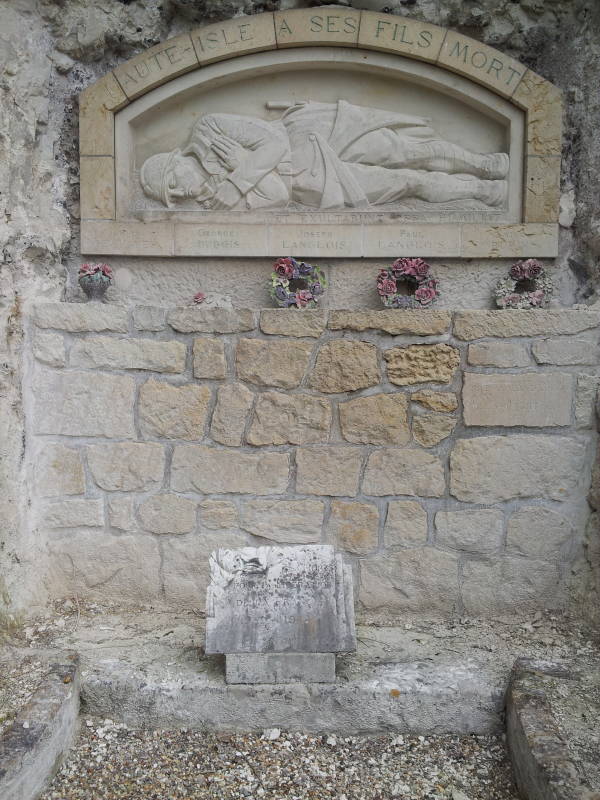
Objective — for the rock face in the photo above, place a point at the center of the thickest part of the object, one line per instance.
(401, 470)
(353, 527)
(168, 513)
(173, 412)
(328, 470)
(285, 322)
(376, 419)
(234, 402)
(104, 351)
(281, 363)
(58, 471)
(405, 524)
(289, 419)
(431, 429)
(422, 323)
(344, 366)
(211, 470)
(475, 531)
(285, 521)
(129, 466)
(422, 363)
(209, 358)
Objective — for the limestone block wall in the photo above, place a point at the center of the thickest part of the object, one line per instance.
(447, 455)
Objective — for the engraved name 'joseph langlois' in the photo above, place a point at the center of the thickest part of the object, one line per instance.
(321, 156)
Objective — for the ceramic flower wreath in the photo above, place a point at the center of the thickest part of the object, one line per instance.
(527, 287)
(295, 284)
(407, 284)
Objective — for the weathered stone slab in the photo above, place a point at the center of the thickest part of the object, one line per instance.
(209, 358)
(430, 429)
(168, 513)
(149, 318)
(498, 354)
(537, 532)
(586, 395)
(173, 412)
(279, 599)
(566, 351)
(106, 352)
(49, 348)
(526, 322)
(127, 466)
(285, 521)
(422, 363)
(328, 470)
(405, 524)
(402, 582)
(121, 513)
(290, 419)
(84, 404)
(436, 401)
(196, 319)
(490, 469)
(419, 323)
(501, 585)
(197, 468)
(402, 470)
(216, 514)
(478, 531)
(344, 365)
(81, 317)
(58, 471)
(74, 514)
(532, 399)
(376, 419)
(269, 363)
(234, 401)
(286, 322)
(254, 668)
(353, 527)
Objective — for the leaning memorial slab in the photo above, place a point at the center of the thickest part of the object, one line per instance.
(279, 613)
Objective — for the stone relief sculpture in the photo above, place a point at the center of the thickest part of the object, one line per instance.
(321, 156)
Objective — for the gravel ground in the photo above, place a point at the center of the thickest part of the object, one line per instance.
(20, 676)
(112, 762)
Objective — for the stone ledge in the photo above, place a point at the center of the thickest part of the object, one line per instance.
(480, 324)
(420, 323)
(540, 757)
(81, 317)
(32, 747)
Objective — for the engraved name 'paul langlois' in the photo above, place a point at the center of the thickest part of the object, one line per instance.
(321, 156)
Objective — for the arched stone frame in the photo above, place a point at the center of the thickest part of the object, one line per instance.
(536, 233)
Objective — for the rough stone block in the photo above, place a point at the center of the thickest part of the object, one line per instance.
(74, 514)
(537, 532)
(173, 412)
(185, 565)
(234, 401)
(490, 469)
(269, 363)
(586, 395)
(417, 580)
(401, 470)
(328, 470)
(418, 323)
(430, 429)
(216, 514)
(478, 531)
(149, 318)
(422, 363)
(353, 527)
(127, 466)
(498, 354)
(106, 352)
(405, 524)
(84, 404)
(543, 101)
(503, 585)
(376, 419)
(436, 401)
(209, 358)
(532, 399)
(168, 513)
(279, 599)
(102, 568)
(254, 668)
(58, 471)
(195, 319)
(286, 322)
(49, 348)
(197, 468)
(522, 322)
(290, 419)
(121, 513)
(345, 365)
(285, 521)
(81, 317)
(566, 351)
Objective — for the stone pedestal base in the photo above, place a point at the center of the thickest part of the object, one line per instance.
(280, 668)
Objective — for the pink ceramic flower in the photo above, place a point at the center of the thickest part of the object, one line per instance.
(93, 269)
(425, 294)
(303, 297)
(532, 267)
(284, 267)
(518, 272)
(387, 286)
(536, 298)
(200, 297)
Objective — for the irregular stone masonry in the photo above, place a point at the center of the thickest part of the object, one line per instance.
(447, 455)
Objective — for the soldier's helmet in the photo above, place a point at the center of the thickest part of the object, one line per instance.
(154, 176)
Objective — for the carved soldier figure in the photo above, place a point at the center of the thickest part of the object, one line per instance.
(321, 155)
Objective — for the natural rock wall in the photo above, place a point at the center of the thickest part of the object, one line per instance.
(448, 457)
